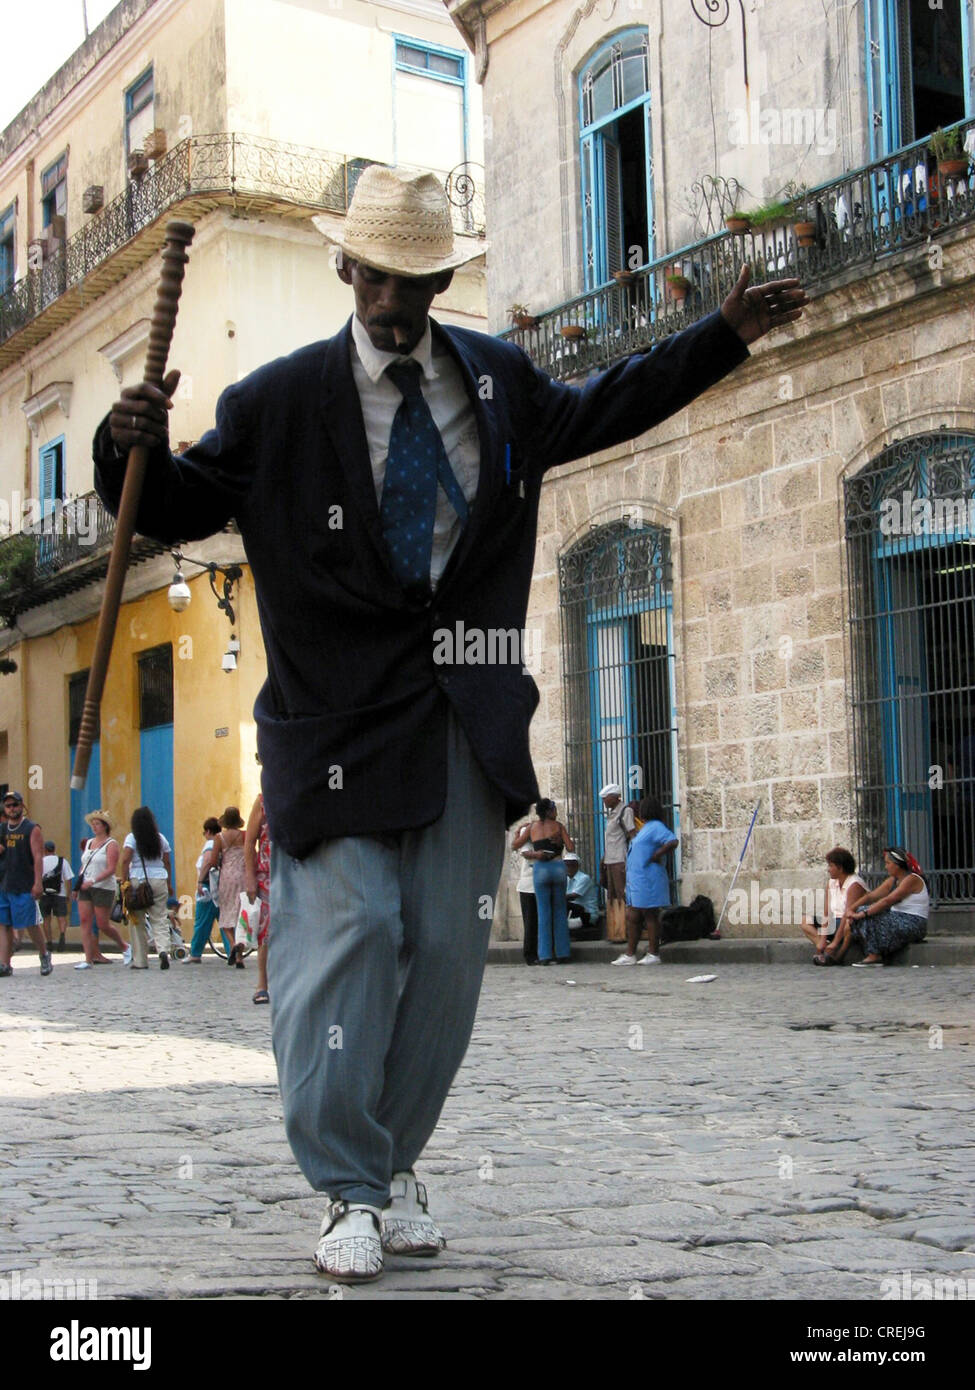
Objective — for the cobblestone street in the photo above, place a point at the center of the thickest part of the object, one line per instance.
(780, 1132)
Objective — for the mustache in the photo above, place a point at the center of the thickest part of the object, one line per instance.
(389, 321)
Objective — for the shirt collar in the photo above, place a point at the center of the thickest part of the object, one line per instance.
(375, 361)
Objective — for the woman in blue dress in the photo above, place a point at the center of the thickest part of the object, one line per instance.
(647, 885)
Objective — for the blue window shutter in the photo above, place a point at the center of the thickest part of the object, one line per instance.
(590, 224)
(49, 471)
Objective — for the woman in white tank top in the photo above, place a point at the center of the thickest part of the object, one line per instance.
(893, 915)
(844, 889)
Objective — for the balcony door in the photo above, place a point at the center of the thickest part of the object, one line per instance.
(918, 70)
(52, 496)
(616, 155)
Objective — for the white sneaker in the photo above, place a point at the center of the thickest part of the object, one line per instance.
(649, 959)
(624, 959)
(350, 1248)
(407, 1226)
(83, 965)
(127, 956)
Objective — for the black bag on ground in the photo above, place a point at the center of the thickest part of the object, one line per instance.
(690, 923)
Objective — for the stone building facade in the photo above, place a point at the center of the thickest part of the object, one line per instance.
(724, 615)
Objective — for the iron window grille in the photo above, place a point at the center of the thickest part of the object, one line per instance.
(619, 712)
(910, 537)
(156, 687)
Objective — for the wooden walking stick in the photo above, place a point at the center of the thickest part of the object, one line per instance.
(174, 257)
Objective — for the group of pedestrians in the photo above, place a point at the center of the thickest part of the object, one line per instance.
(37, 885)
(553, 890)
(235, 859)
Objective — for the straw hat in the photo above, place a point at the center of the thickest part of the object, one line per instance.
(99, 815)
(398, 222)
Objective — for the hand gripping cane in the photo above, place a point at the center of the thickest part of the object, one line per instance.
(174, 257)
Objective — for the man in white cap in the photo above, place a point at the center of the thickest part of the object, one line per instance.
(619, 831)
(389, 768)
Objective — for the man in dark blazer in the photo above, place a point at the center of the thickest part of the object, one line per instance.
(386, 486)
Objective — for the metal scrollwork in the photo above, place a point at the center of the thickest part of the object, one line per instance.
(714, 8)
(715, 14)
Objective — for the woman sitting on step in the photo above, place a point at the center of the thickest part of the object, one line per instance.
(889, 918)
(845, 890)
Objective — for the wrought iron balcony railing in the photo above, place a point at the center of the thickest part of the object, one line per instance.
(894, 204)
(202, 172)
(63, 550)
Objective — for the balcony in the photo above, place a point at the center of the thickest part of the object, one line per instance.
(868, 215)
(246, 173)
(64, 551)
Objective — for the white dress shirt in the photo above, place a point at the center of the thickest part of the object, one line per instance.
(443, 390)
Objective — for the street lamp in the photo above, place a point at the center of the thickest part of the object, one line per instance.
(179, 597)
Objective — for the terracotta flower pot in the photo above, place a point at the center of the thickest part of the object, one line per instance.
(953, 168)
(572, 331)
(737, 225)
(805, 233)
(624, 277)
(525, 321)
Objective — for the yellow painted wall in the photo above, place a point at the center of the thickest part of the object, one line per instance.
(209, 772)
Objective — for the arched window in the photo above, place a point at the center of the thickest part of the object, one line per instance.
(616, 154)
(620, 720)
(910, 535)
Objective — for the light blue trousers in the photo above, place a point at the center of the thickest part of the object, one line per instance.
(374, 971)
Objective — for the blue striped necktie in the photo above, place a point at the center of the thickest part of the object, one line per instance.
(417, 461)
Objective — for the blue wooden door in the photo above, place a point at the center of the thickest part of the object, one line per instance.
(156, 785)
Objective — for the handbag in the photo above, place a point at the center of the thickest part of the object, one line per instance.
(138, 896)
(117, 913)
(78, 879)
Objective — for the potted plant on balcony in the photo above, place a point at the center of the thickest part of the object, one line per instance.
(769, 216)
(138, 164)
(521, 318)
(573, 332)
(803, 227)
(624, 276)
(947, 149)
(736, 221)
(679, 286)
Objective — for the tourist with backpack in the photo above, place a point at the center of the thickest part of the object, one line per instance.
(56, 886)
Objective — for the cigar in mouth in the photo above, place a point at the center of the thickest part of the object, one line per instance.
(402, 340)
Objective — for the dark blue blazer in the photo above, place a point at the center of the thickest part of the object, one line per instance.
(352, 718)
